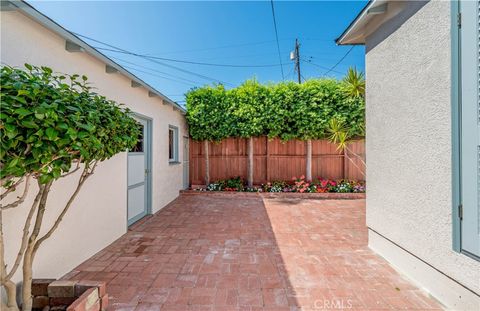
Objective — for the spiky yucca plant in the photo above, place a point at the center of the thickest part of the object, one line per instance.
(354, 83)
(341, 136)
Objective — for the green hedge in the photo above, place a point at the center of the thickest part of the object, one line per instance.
(285, 110)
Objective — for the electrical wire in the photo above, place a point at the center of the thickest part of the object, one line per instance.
(156, 71)
(341, 59)
(182, 60)
(303, 77)
(158, 76)
(156, 61)
(276, 37)
(319, 66)
(223, 47)
(193, 62)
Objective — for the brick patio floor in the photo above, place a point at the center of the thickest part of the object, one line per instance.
(218, 252)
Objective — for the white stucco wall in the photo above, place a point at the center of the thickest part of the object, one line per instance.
(98, 216)
(408, 145)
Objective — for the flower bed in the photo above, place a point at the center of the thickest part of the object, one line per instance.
(296, 185)
(280, 195)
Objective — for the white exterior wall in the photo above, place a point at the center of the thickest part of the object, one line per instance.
(409, 150)
(99, 215)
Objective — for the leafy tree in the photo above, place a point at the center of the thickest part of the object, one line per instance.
(208, 113)
(51, 126)
(246, 107)
(284, 110)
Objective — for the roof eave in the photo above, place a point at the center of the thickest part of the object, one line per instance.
(341, 39)
(50, 24)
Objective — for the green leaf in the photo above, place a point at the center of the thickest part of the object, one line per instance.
(51, 133)
(23, 112)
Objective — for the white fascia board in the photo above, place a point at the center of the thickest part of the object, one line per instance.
(45, 21)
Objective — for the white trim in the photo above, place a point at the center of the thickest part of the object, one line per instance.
(175, 131)
(440, 286)
(358, 19)
(70, 38)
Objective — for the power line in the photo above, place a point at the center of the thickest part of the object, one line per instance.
(290, 73)
(303, 77)
(182, 60)
(276, 38)
(192, 62)
(341, 59)
(157, 71)
(157, 62)
(319, 66)
(159, 76)
(224, 46)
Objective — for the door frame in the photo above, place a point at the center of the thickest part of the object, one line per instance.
(186, 163)
(147, 141)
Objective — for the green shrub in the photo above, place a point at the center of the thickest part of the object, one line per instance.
(284, 110)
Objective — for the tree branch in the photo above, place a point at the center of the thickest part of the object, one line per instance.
(20, 199)
(87, 172)
(10, 287)
(11, 188)
(71, 172)
(41, 211)
(26, 230)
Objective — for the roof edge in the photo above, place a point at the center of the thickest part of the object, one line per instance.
(50, 24)
(352, 24)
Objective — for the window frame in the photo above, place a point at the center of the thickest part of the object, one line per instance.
(456, 132)
(174, 129)
(456, 103)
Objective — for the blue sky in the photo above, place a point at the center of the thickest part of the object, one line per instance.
(227, 33)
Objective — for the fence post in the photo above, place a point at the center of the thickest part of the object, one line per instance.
(207, 163)
(308, 167)
(267, 158)
(250, 162)
(345, 163)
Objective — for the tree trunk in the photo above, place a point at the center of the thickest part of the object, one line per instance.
(308, 167)
(11, 291)
(250, 162)
(10, 287)
(207, 163)
(27, 281)
(30, 251)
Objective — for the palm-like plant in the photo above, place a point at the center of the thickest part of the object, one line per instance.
(354, 83)
(341, 136)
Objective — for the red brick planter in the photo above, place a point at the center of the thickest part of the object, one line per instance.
(281, 195)
(50, 294)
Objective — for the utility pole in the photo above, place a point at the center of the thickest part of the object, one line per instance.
(295, 56)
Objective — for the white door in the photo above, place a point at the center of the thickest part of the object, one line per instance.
(186, 162)
(139, 171)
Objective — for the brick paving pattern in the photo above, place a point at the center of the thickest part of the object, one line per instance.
(216, 252)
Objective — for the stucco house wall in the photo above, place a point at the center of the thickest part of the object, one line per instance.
(99, 215)
(409, 148)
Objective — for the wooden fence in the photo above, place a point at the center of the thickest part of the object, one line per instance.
(274, 160)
